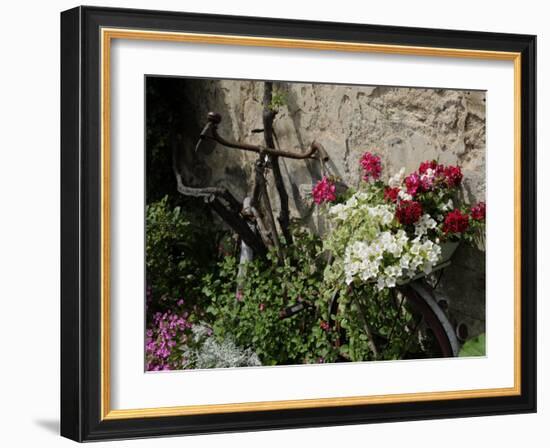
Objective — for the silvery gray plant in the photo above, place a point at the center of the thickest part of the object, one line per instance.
(203, 351)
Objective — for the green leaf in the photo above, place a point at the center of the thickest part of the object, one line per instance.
(474, 347)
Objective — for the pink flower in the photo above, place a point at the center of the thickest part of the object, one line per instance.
(426, 182)
(324, 325)
(412, 182)
(239, 295)
(324, 191)
(167, 331)
(371, 165)
(478, 211)
(180, 302)
(262, 306)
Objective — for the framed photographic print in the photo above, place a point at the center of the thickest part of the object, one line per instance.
(275, 224)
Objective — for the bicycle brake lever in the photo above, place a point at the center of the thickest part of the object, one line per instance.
(214, 119)
(203, 135)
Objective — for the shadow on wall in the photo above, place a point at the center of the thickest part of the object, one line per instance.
(309, 169)
(223, 166)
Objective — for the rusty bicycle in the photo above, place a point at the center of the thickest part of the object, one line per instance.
(252, 219)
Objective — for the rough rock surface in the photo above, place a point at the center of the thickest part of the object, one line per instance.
(405, 126)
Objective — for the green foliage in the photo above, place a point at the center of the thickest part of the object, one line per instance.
(364, 310)
(278, 100)
(247, 309)
(178, 248)
(474, 346)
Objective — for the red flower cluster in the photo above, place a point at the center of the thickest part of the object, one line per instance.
(371, 165)
(453, 176)
(391, 194)
(477, 212)
(422, 180)
(324, 325)
(408, 212)
(431, 165)
(324, 191)
(456, 222)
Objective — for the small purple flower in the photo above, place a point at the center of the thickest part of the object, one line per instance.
(167, 331)
(239, 295)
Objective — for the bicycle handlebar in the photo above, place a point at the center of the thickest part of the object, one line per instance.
(210, 131)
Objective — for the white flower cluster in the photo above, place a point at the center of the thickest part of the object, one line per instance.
(382, 214)
(403, 195)
(384, 254)
(425, 223)
(368, 261)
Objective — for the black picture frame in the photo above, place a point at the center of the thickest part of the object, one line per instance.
(81, 223)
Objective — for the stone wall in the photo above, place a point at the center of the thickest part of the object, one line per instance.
(405, 126)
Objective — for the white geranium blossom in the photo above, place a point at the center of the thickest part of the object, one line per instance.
(385, 213)
(447, 206)
(403, 195)
(397, 178)
(339, 211)
(424, 224)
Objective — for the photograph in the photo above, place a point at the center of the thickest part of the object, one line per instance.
(291, 223)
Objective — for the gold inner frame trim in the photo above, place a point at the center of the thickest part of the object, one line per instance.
(107, 35)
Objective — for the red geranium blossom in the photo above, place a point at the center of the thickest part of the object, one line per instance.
(478, 211)
(408, 212)
(391, 194)
(453, 176)
(425, 166)
(371, 165)
(412, 182)
(431, 165)
(456, 222)
(324, 191)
